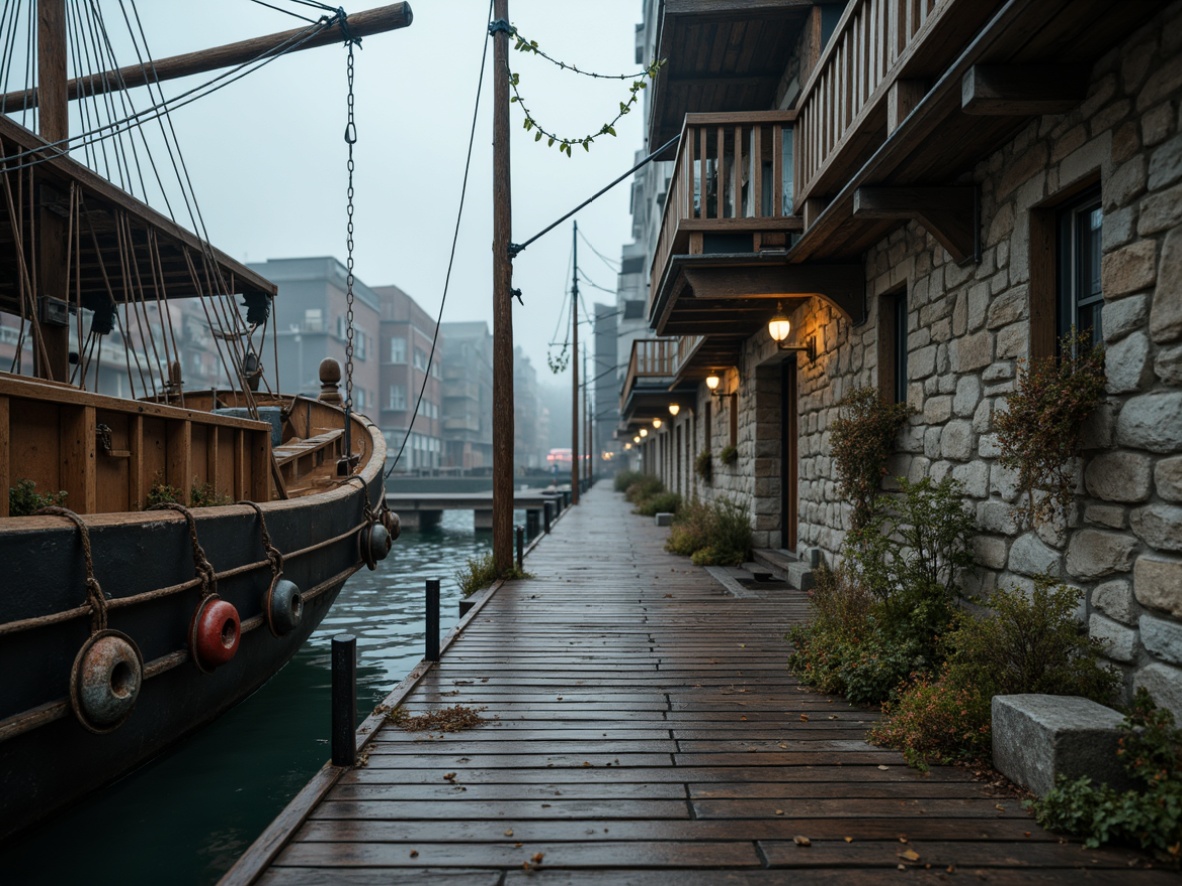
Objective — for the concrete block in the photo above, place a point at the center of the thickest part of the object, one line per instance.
(664, 518)
(1037, 738)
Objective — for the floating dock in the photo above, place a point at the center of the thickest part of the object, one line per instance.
(641, 727)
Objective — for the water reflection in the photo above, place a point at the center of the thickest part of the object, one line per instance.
(186, 817)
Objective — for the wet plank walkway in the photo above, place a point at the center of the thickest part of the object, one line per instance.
(642, 728)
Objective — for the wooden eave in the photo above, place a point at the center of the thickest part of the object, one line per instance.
(712, 353)
(721, 55)
(940, 141)
(732, 296)
(103, 205)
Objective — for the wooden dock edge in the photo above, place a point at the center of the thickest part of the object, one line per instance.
(253, 863)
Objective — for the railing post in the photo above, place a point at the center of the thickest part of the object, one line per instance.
(546, 516)
(344, 700)
(520, 547)
(432, 651)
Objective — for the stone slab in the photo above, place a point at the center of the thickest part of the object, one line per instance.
(664, 518)
(1037, 738)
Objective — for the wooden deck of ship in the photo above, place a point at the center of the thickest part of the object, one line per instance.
(642, 728)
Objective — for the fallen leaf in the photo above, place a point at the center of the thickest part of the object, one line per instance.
(779, 812)
(999, 807)
(537, 859)
(848, 839)
(902, 838)
(518, 845)
(449, 776)
(509, 833)
(951, 869)
(883, 768)
(909, 854)
(804, 718)
(414, 853)
(802, 841)
(742, 718)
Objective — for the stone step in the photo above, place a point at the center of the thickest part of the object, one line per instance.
(797, 572)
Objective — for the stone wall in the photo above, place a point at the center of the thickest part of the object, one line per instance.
(968, 328)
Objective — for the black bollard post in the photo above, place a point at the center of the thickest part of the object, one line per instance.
(466, 607)
(344, 700)
(520, 547)
(432, 653)
(546, 517)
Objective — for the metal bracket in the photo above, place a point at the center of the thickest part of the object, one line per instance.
(516, 293)
(498, 26)
(515, 249)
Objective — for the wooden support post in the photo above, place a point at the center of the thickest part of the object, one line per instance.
(432, 644)
(902, 97)
(502, 529)
(5, 456)
(574, 365)
(520, 548)
(344, 700)
(78, 466)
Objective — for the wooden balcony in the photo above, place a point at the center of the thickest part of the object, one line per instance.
(652, 372)
(909, 95)
(731, 193)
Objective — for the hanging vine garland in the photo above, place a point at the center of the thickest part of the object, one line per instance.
(559, 362)
(608, 128)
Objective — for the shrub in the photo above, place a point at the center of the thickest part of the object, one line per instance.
(911, 553)
(1040, 435)
(716, 534)
(844, 649)
(206, 496)
(644, 486)
(704, 466)
(482, 571)
(1149, 816)
(661, 502)
(23, 499)
(624, 479)
(1032, 644)
(728, 455)
(935, 720)
(1022, 644)
(862, 437)
(160, 493)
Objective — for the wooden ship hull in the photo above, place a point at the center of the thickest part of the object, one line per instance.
(52, 750)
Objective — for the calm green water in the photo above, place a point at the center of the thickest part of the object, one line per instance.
(186, 817)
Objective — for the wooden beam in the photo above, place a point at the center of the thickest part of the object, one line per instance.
(1023, 90)
(844, 286)
(361, 24)
(949, 214)
(5, 456)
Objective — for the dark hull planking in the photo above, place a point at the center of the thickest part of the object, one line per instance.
(42, 571)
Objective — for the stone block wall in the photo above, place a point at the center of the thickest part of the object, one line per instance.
(968, 328)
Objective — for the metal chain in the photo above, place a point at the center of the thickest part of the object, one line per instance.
(350, 139)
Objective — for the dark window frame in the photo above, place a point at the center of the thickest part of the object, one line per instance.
(1079, 295)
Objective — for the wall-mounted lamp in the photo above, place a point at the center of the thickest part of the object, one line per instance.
(779, 328)
(636, 440)
(627, 446)
(644, 432)
(657, 423)
(674, 408)
(712, 382)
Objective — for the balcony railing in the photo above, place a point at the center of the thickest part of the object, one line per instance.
(733, 174)
(651, 358)
(866, 55)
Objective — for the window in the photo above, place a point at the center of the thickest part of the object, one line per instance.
(1080, 297)
(420, 359)
(397, 398)
(359, 340)
(892, 347)
(397, 349)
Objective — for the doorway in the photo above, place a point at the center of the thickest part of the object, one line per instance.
(789, 478)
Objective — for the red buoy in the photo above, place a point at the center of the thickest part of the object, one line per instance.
(215, 633)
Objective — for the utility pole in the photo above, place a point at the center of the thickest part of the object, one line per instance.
(502, 300)
(575, 466)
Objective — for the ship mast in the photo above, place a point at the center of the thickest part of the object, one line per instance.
(52, 230)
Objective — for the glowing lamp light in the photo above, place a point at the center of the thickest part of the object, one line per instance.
(644, 432)
(712, 382)
(674, 408)
(779, 327)
(627, 446)
(636, 440)
(657, 423)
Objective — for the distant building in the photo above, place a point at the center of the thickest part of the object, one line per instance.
(467, 395)
(529, 451)
(311, 322)
(605, 383)
(407, 332)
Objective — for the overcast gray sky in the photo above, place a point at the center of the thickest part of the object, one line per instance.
(268, 158)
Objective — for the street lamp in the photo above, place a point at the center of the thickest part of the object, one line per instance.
(674, 408)
(657, 423)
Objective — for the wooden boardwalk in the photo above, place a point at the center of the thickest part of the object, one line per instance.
(642, 728)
